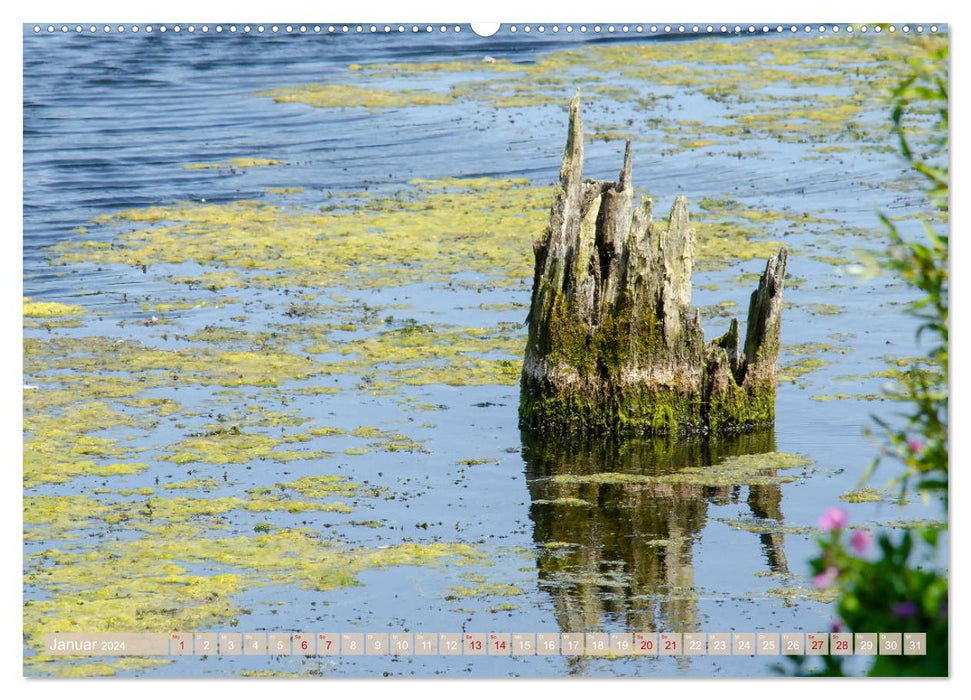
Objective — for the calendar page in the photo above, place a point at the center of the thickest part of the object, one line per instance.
(447, 350)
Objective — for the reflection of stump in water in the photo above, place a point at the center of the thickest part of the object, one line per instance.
(622, 551)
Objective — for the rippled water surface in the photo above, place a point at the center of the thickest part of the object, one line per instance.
(288, 400)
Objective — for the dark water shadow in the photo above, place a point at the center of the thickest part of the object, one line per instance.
(620, 555)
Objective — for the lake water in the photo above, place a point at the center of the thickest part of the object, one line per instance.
(782, 136)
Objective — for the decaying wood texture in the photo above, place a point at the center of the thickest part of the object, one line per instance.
(613, 343)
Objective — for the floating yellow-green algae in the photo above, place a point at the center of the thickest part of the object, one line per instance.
(58, 448)
(853, 397)
(259, 503)
(230, 445)
(579, 502)
(160, 407)
(752, 470)
(792, 89)
(484, 590)
(153, 590)
(204, 484)
(197, 365)
(818, 309)
(897, 369)
(354, 96)
(433, 231)
(154, 587)
(327, 486)
(803, 593)
(47, 516)
(793, 370)
(383, 441)
(57, 666)
(505, 306)
(767, 526)
(722, 309)
(421, 354)
(908, 524)
(50, 309)
(866, 494)
(235, 163)
(53, 516)
(368, 431)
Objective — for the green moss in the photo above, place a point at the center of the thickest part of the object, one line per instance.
(656, 411)
(741, 408)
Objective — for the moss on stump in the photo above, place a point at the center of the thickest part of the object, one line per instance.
(614, 346)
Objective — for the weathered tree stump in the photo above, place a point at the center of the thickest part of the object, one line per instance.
(613, 344)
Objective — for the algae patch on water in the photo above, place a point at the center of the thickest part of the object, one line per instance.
(751, 470)
(51, 314)
(830, 96)
(431, 231)
(154, 587)
(354, 96)
(484, 590)
(197, 365)
(59, 446)
(472, 232)
(50, 309)
(230, 445)
(383, 441)
(235, 164)
(864, 495)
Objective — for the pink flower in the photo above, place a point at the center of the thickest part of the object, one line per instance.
(833, 519)
(835, 625)
(861, 541)
(827, 578)
(904, 609)
(915, 446)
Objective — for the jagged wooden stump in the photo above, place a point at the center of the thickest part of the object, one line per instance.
(613, 344)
